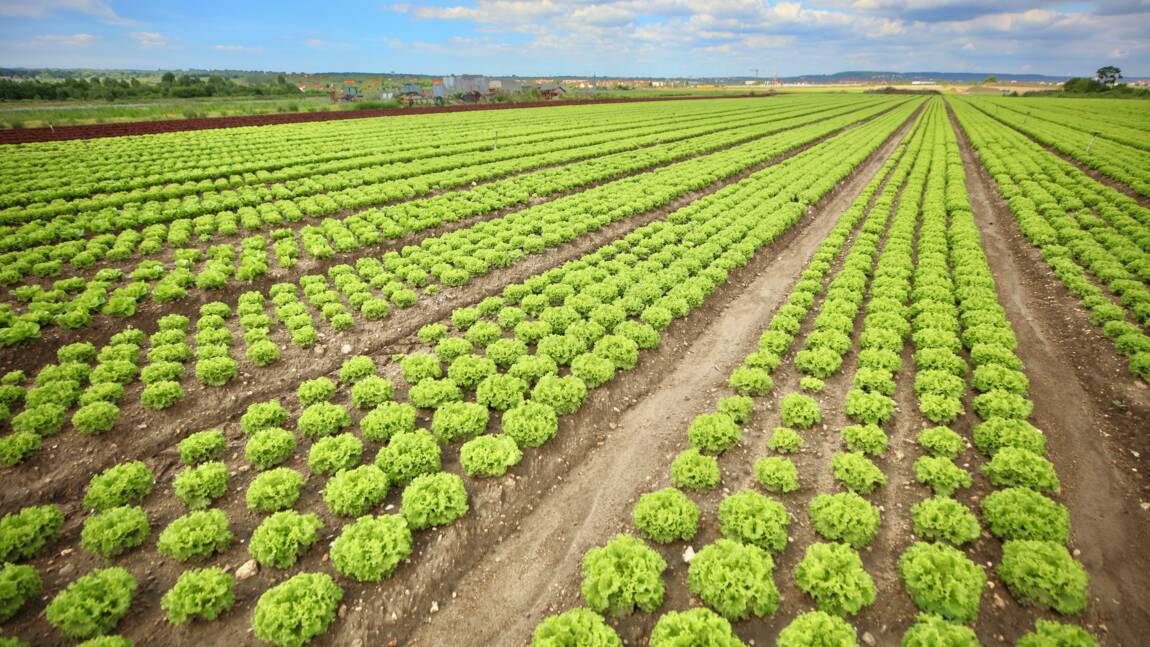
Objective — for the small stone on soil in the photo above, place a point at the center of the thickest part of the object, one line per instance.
(247, 569)
(688, 554)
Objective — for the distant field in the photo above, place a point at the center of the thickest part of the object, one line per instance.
(36, 114)
(806, 369)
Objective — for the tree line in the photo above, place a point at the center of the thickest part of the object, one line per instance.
(111, 89)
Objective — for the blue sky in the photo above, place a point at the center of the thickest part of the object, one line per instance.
(582, 37)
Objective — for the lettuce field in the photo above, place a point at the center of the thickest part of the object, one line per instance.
(805, 370)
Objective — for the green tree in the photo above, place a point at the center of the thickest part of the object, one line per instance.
(1108, 75)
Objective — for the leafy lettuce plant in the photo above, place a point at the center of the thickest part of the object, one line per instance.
(274, 490)
(323, 419)
(997, 433)
(161, 395)
(205, 593)
(25, 533)
(19, 583)
(941, 474)
(370, 549)
(666, 515)
(563, 394)
(844, 517)
(942, 580)
(119, 485)
(354, 492)
(95, 418)
(263, 415)
(530, 424)
(816, 629)
(313, 391)
(942, 442)
(433, 500)
(1045, 574)
(331, 454)
(92, 604)
(785, 440)
(931, 630)
(115, 531)
(1013, 467)
(623, 575)
(734, 579)
(777, 474)
(387, 420)
(943, 518)
(371, 391)
(197, 534)
(198, 486)
(752, 518)
(489, 455)
(576, 627)
(693, 470)
(698, 626)
(714, 433)
(429, 393)
(857, 472)
(834, 576)
(1047, 633)
(293, 612)
(409, 454)
(283, 537)
(868, 439)
(1022, 513)
(459, 421)
(269, 447)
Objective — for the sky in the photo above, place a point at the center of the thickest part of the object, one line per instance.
(663, 38)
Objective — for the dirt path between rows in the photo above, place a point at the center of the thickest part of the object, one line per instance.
(535, 570)
(1096, 446)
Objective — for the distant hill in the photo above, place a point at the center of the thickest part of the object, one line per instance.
(908, 77)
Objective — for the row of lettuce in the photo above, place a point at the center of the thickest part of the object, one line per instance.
(515, 362)
(943, 300)
(1095, 239)
(72, 302)
(1122, 154)
(370, 288)
(194, 161)
(435, 165)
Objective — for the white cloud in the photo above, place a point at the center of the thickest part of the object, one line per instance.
(68, 40)
(236, 48)
(149, 39)
(319, 43)
(42, 8)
